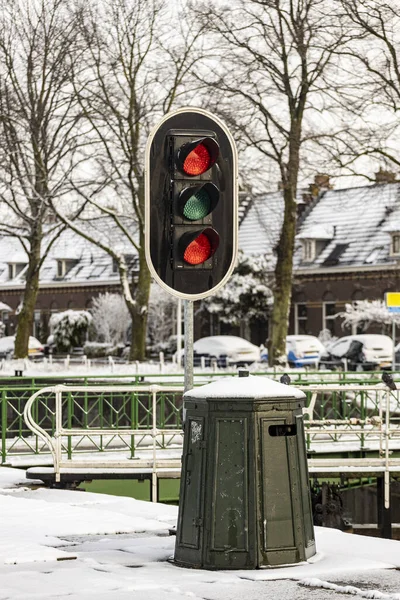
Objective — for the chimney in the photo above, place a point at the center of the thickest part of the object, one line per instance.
(383, 176)
(321, 182)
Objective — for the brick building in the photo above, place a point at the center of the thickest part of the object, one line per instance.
(73, 273)
(347, 249)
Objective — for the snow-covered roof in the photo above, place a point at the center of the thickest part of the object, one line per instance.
(260, 228)
(355, 224)
(89, 263)
(317, 232)
(360, 218)
(245, 387)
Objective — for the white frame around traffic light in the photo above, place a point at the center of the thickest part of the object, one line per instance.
(235, 176)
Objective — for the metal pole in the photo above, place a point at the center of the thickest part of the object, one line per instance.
(179, 331)
(394, 344)
(188, 316)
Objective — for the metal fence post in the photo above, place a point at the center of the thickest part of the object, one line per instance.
(3, 426)
(154, 433)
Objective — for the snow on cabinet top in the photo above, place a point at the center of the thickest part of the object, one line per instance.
(245, 387)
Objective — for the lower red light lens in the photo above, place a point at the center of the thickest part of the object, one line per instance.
(198, 251)
(197, 161)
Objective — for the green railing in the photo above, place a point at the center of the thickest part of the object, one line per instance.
(84, 410)
(109, 410)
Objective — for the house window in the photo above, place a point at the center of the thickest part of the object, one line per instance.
(300, 318)
(64, 266)
(329, 314)
(114, 266)
(15, 269)
(308, 250)
(395, 244)
(61, 268)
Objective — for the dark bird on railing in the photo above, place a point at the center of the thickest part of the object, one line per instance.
(285, 379)
(388, 380)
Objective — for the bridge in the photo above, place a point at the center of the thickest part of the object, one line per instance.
(116, 429)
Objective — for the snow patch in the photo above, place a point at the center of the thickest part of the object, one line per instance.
(347, 589)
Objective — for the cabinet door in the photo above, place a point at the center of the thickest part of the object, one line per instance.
(191, 495)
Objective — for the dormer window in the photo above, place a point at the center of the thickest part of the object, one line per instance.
(314, 240)
(395, 245)
(308, 250)
(64, 266)
(15, 269)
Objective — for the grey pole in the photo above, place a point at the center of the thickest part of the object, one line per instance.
(188, 317)
(394, 344)
(179, 332)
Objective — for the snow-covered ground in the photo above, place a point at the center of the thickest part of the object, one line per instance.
(79, 366)
(83, 546)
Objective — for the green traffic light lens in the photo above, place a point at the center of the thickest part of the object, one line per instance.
(197, 206)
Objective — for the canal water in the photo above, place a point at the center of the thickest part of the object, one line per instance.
(169, 488)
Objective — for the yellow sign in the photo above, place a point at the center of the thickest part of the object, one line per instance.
(392, 299)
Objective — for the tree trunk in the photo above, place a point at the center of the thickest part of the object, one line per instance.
(284, 251)
(283, 284)
(25, 318)
(139, 311)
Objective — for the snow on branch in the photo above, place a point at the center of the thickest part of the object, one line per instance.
(247, 295)
(363, 312)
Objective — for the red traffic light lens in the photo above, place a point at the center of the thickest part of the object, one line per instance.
(201, 248)
(197, 157)
(198, 161)
(198, 251)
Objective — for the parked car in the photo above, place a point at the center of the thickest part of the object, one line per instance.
(7, 345)
(226, 349)
(301, 350)
(364, 352)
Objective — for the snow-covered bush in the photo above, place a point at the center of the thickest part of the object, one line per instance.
(111, 318)
(364, 312)
(161, 319)
(69, 328)
(326, 338)
(247, 296)
(2, 329)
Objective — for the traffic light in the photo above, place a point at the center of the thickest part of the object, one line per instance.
(191, 203)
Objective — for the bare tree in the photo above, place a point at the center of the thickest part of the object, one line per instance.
(39, 136)
(273, 55)
(136, 69)
(372, 92)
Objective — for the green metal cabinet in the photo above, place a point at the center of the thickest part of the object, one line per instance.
(244, 499)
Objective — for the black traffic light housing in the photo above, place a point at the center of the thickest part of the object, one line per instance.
(191, 197)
